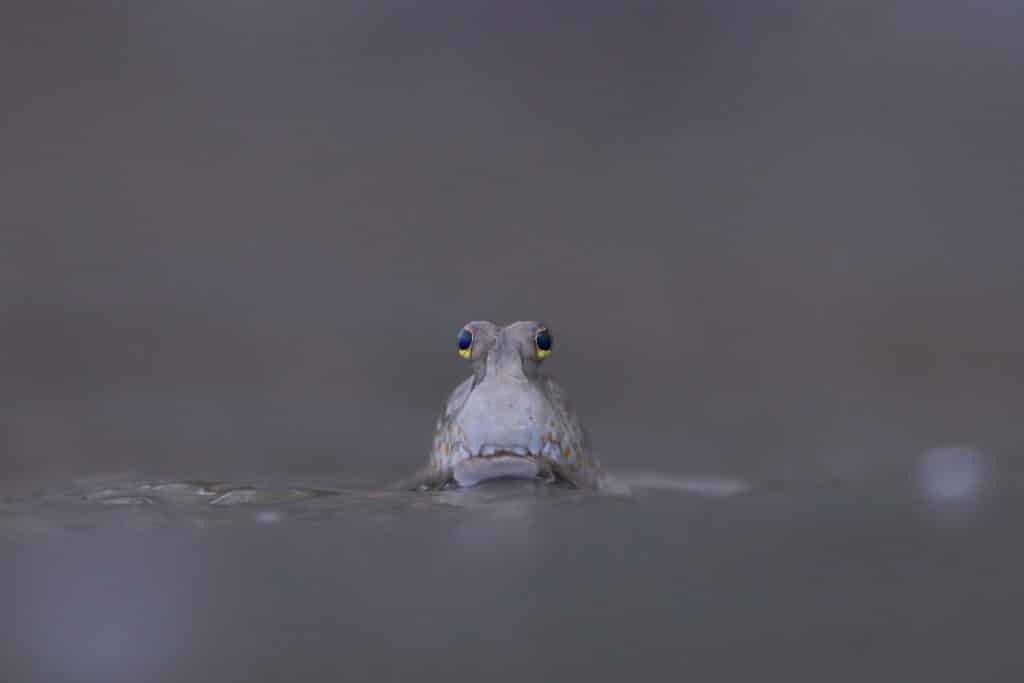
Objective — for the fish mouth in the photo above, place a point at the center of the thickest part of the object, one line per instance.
(486, 468)
(495, 451)
(500, 462)
(543, 461)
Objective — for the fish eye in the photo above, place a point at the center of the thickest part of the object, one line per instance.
(465, 341)
(543, 342)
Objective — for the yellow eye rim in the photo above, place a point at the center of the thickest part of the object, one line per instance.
(541, 353)
(468, 350)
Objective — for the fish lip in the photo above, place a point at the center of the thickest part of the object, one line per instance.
(547, 471)
(494, 466)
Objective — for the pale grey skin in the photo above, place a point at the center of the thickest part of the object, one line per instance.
(508, 420)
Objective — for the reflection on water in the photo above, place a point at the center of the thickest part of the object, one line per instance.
(954, 473)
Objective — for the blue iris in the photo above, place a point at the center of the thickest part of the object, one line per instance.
(544, 340)
(465, 339)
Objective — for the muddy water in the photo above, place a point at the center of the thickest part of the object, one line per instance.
(124, 580)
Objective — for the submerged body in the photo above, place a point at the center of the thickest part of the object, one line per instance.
(508, 420)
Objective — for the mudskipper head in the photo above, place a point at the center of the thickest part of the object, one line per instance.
(509, 419)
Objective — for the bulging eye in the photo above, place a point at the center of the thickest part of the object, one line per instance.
(543, 342)
(465, 341)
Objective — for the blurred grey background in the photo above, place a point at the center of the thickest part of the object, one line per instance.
(772, 241)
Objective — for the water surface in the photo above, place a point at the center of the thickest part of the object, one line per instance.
(119, 579)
